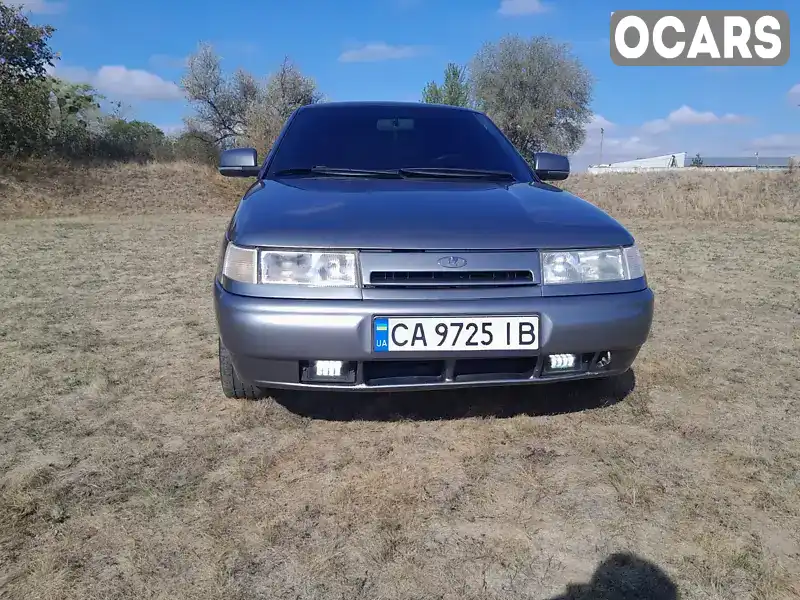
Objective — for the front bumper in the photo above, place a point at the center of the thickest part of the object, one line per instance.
(273, 341)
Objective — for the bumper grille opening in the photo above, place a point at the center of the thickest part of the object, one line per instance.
(449, 278)
(403, 371)
(473, 369)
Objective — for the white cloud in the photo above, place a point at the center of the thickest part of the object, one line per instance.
(42, 7)
(689, 116)
(778, 143)
(380, 51)
(599, 122)
(794, 94)
(123, 83)
(656, 126)
(686, 115)
(514, 8)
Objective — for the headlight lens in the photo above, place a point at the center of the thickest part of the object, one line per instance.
(586, 266)
(317, 269)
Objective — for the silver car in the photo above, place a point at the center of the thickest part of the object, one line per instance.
(403, 246)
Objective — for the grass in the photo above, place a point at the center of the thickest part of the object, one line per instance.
(178, 188)
(124, 473)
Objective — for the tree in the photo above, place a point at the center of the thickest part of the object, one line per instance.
(697, 161)
(285, 90)
(535, 91)
(131, 140)
(220, 102)
(24, 50)
(24, 118)
(454, 90)
(24, 91)
(75, 117)
(193, 148)
(230, 110)
(432, 93)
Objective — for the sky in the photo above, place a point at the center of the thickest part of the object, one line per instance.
(134, 52)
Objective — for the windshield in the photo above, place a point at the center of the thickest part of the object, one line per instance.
(395, 137)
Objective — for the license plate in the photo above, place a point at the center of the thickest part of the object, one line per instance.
(431, 334)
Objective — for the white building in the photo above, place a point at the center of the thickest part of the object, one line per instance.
(680, 160)
(654, 163)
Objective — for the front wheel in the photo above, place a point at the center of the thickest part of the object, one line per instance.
(232, 386)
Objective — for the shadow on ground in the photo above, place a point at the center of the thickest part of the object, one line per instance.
(624, 576)
(501, 402)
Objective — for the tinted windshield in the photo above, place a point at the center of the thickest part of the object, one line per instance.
(391, 137)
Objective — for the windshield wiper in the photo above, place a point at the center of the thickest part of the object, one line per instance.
(457, 173)
(430, 172)
(336, 172)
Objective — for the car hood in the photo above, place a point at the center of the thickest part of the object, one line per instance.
(418, 215)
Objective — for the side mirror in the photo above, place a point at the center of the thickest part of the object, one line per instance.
(550, 167)
(239, 162)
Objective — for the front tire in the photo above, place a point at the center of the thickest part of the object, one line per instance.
(232, 386)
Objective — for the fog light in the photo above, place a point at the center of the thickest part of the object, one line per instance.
(328, 368)
(562, 361)
(328, 371)
(604, 359)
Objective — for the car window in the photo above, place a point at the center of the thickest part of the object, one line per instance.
(374, 137)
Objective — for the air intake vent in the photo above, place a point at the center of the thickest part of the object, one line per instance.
(449, 278)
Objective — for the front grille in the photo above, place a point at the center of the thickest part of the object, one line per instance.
(449, 278)
(400, 372)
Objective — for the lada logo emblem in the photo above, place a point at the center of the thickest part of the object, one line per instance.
(452, 262)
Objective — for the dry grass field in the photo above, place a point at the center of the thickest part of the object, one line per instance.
(124, 472)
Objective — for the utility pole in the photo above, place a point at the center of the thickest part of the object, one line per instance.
(602, 134)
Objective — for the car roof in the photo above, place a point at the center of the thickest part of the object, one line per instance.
(382, 104)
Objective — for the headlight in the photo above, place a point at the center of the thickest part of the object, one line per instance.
(317, 269)
(586, 266)
(313, 269)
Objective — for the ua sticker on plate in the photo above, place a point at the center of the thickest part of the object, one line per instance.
(381, 335)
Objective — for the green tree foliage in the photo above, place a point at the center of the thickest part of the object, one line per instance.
(432, 93)
(453, 91)
(75, 117)
(24, 94)
(41, 114)
(24, 118)
(131, 140)
(193, 147)
(536, 91)
(24, 50)
(697, 161)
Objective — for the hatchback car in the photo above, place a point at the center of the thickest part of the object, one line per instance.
(403, 246)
